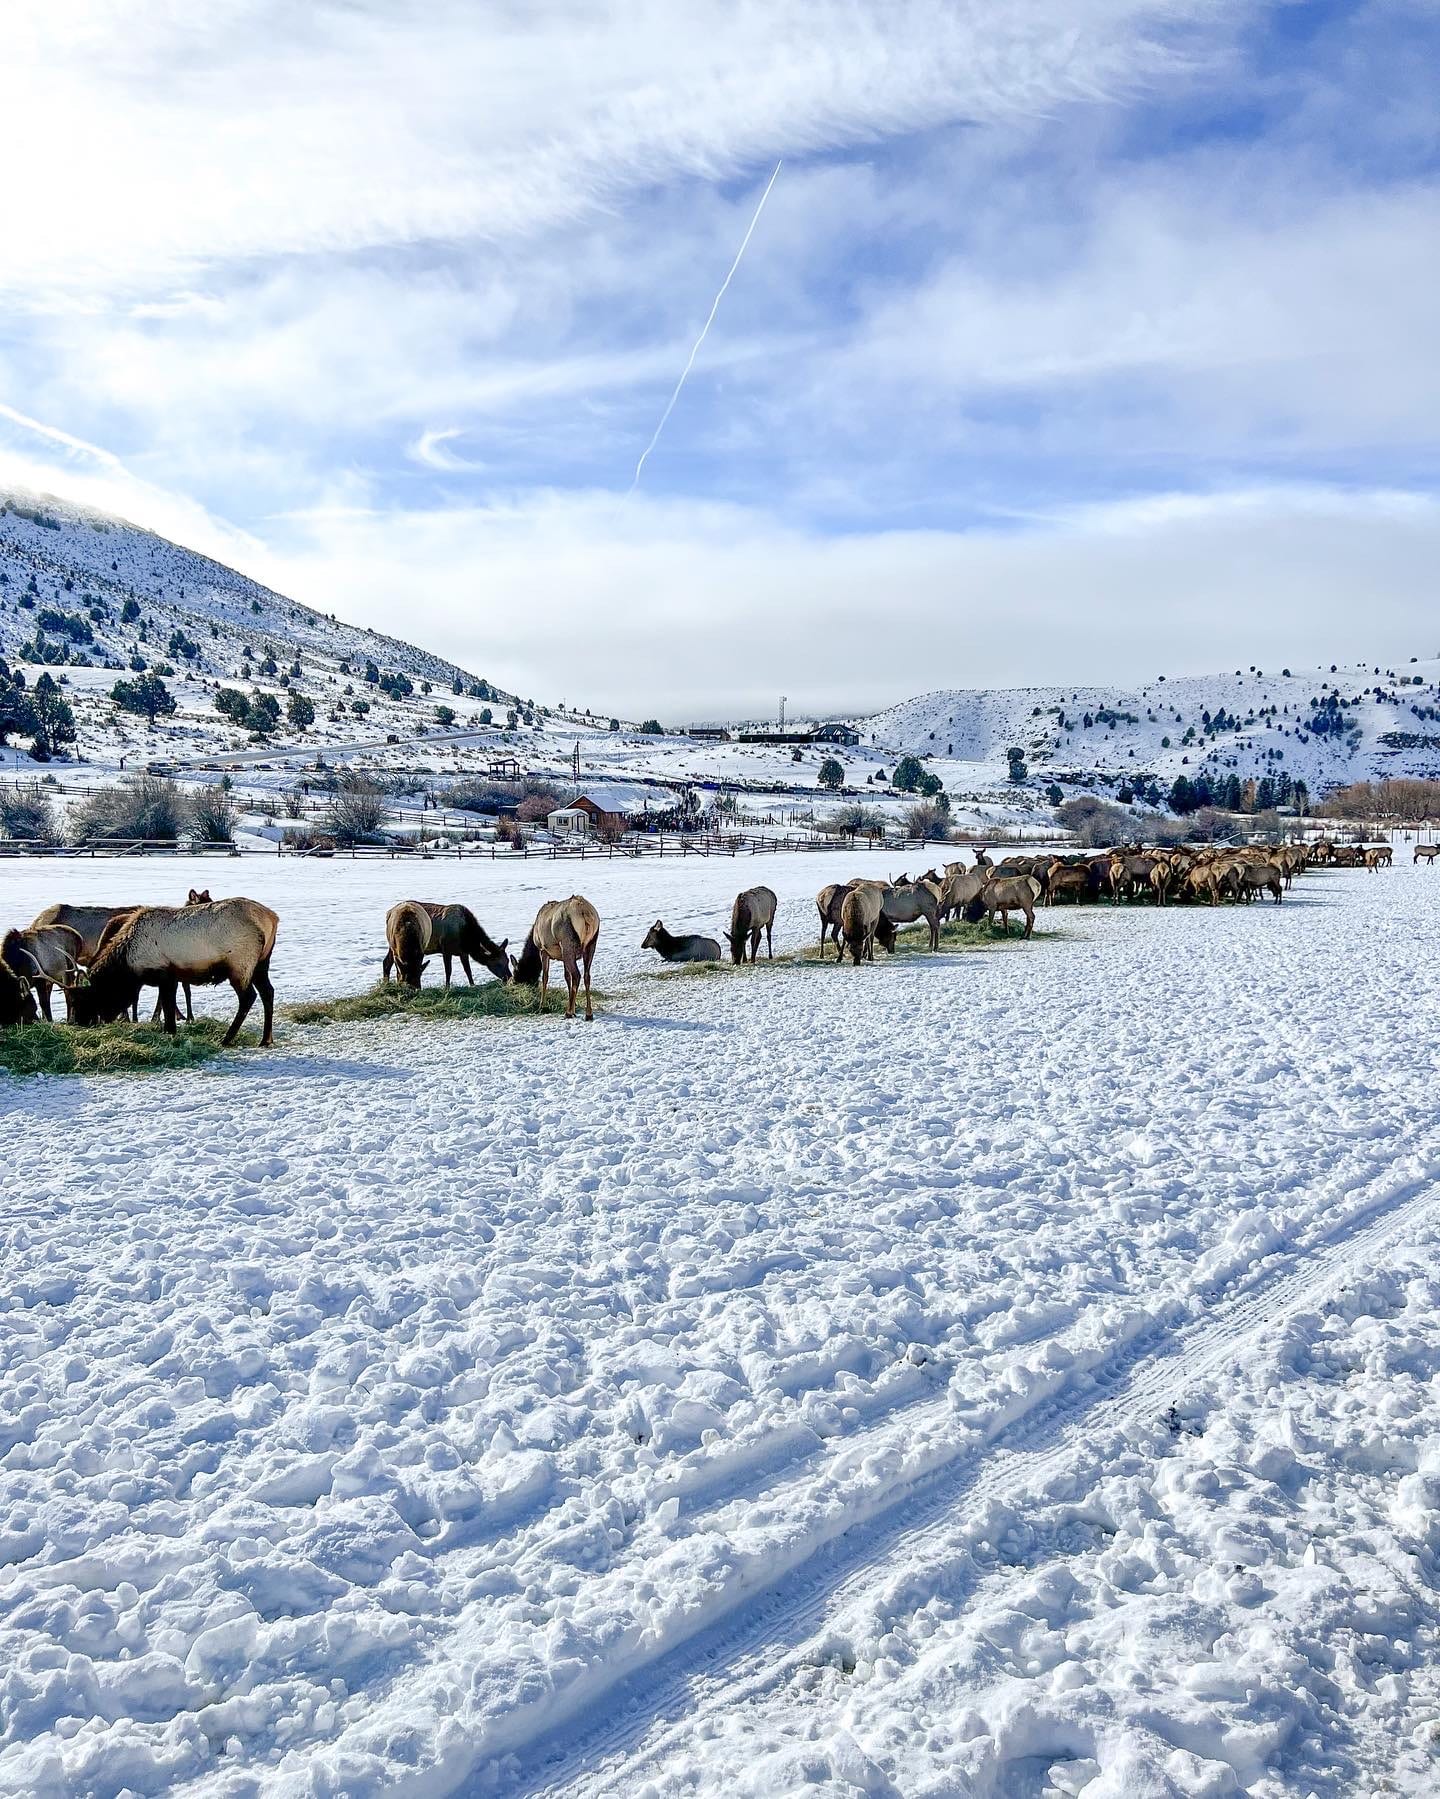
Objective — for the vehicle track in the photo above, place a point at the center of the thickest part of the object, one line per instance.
(761, 1642)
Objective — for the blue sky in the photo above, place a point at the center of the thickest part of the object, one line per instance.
(1076, 340)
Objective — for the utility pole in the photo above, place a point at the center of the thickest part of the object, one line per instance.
(575, 762)
(782, 711)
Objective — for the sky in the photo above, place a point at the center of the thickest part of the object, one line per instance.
(1077, 340)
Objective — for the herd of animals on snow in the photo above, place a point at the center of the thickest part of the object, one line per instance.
(101, 957)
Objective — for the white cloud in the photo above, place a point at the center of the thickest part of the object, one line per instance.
(692, 607)
(252, 128)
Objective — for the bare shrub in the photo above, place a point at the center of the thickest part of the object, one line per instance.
(213, 816)
(28, 815)
(536, 809)
(929, 821)
(1096, 824)
(294, 803)
(356, 813)
(150, 807)
(864, 821)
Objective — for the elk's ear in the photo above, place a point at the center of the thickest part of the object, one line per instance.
(504, 943)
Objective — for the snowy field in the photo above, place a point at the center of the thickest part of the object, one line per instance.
(1007, 1373)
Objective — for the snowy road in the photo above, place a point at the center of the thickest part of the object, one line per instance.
(795, 1347)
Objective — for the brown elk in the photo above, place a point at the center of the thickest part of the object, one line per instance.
(828, 902)
(46, 956)
(452, 932)
(225, 940)
(17, 1002)
(1427, 852)
(752, 914)
(564, 931)
(861, 913)
(1011, 893)
(903, 905)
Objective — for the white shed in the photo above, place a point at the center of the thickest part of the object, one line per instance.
(565, 819)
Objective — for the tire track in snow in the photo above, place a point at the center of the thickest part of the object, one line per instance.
(737, 1659)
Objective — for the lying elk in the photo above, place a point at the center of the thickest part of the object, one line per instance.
(47, 956)
(680, 949)
(1013, 893)
(752, 913)
(565, 931)
(160, 946)
(433, 928)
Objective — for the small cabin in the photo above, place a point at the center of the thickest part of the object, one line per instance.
(583, 816)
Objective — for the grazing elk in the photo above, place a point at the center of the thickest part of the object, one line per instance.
(1011, 893)
(564, 931)
(752, 914)
(1427, 852)
(959, 887)
(452, 932)
(903, 905)
(861, 913)
(46, 956)
(223, 940)
(671, 948)
(17, 1002)
(828, 902)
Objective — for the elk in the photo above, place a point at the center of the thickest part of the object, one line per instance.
(1013, 893)
(451, 932)
(564, 931)
(861, 912)
(680, 949)
(47, 956)
(222, 940)
(752, 913)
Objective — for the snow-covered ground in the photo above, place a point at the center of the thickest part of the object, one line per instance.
(1010, 1372)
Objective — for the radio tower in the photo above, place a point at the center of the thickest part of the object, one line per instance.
(782, 711)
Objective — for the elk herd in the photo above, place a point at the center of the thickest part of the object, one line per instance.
(101, 957)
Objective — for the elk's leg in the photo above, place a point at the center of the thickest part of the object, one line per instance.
(445, 958)
(1029, 921)
(544, 978)
(387, 966)
(588, 959)
(469, 972)
(246, 997)
(572, 982)
(770, 941)
(267, 1001)
(165, 1001)
(189, 1004)
(42, 993)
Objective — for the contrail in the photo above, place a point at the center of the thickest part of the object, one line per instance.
(695, 350)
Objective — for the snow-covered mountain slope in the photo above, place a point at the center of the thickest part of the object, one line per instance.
(1321, 725)
(92, 597)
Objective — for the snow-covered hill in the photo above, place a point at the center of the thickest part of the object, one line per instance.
(1323, 726)
(94, 598)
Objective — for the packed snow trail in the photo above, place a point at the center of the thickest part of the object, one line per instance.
(371, 1405)
(1027, 1460)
